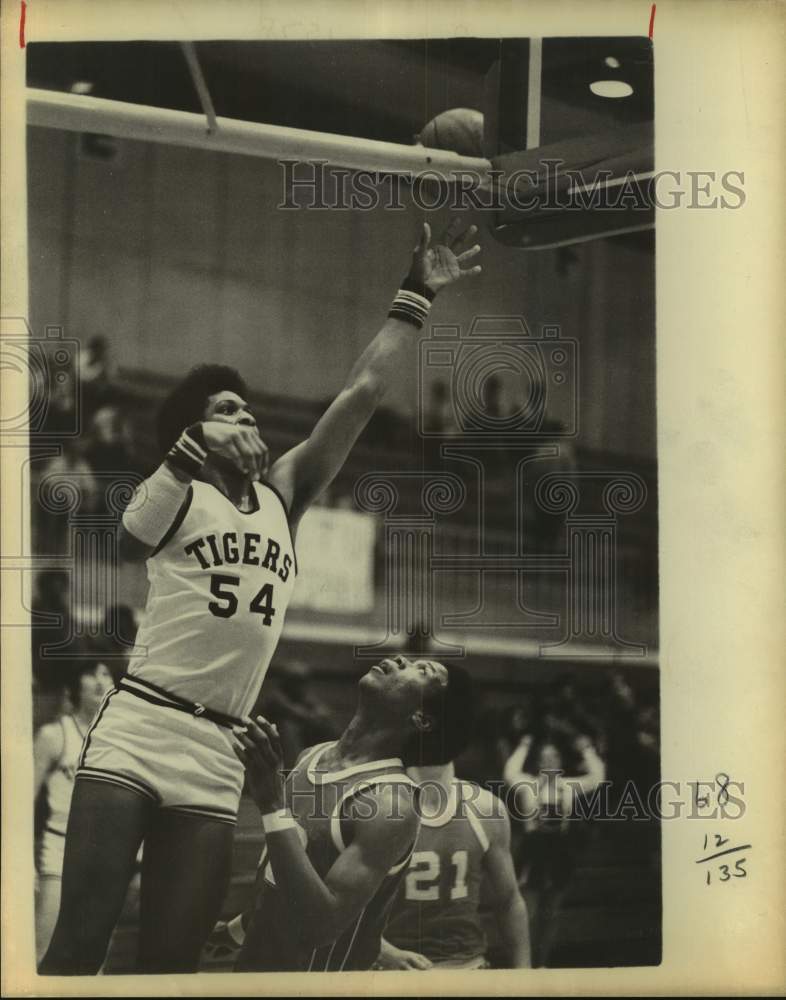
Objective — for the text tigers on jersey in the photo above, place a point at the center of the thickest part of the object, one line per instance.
(248, 548)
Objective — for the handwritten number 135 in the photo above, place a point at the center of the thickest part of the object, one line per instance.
(726, 873)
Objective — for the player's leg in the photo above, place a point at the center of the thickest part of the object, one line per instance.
(106, 825)
(49, 875)
(47, 904)
(253, 929)
(185, 873)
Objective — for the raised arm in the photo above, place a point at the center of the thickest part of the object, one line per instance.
(383, 835)
(594, 768)
(160, 502)
(304, 472)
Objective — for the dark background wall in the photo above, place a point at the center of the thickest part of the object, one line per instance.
(179, 256)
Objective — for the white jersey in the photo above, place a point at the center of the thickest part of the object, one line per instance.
(220, 584)
(60, 781)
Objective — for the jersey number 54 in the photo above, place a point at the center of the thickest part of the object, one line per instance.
(221, 587)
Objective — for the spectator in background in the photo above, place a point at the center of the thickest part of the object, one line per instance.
(515, 722)
(51, 627)
(625, 752)
(302, 720)
(96, 374)
(548, 529)
(55, 754)
(494, 398)
(108, 449)
(60, 397)
(438, 415)
(545, 775)
(479, 762)
(564, 705)
(633, 743)
(67, 471)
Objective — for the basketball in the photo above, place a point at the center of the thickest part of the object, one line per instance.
(459, 129)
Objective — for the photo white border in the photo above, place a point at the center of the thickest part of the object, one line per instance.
(719, 84)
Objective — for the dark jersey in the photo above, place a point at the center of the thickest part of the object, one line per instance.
(320, 801)
(436, 910)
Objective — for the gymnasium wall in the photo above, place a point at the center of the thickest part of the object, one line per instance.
(179, 256)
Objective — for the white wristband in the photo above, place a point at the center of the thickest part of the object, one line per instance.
(281, 819)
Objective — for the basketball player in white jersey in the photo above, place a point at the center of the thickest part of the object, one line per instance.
(55, 755)
(461, 858)
(340, 831)
(217, 530)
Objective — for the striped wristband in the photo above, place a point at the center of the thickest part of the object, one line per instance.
(412, 303)
(188, 453)
(281, 819)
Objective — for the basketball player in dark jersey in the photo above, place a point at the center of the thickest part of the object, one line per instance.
(462, 855)
(341, 829)
(217, 531)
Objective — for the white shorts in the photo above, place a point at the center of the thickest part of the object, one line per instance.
(51, 849)
(180, 761)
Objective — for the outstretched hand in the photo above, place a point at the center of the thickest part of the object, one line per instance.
(442, 264)
(258, 747)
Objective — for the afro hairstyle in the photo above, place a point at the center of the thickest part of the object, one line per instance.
(185, 405)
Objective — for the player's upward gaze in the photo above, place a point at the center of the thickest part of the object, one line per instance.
(339, 832)
(217, 529)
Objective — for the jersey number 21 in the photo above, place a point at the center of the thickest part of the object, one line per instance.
(423, 876)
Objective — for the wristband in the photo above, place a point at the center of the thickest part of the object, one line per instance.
(188, 453)
(281, 819)
(411, 285)
(412, 303)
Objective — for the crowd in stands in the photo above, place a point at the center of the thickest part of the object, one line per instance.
(90, 420)
(550, 755)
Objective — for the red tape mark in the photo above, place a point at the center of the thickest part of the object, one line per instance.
(22, 16)
(652, 21)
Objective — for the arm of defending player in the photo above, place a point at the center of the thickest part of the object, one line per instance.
(304, 472)
(326, 907)
(510, 909)
(400, 960)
